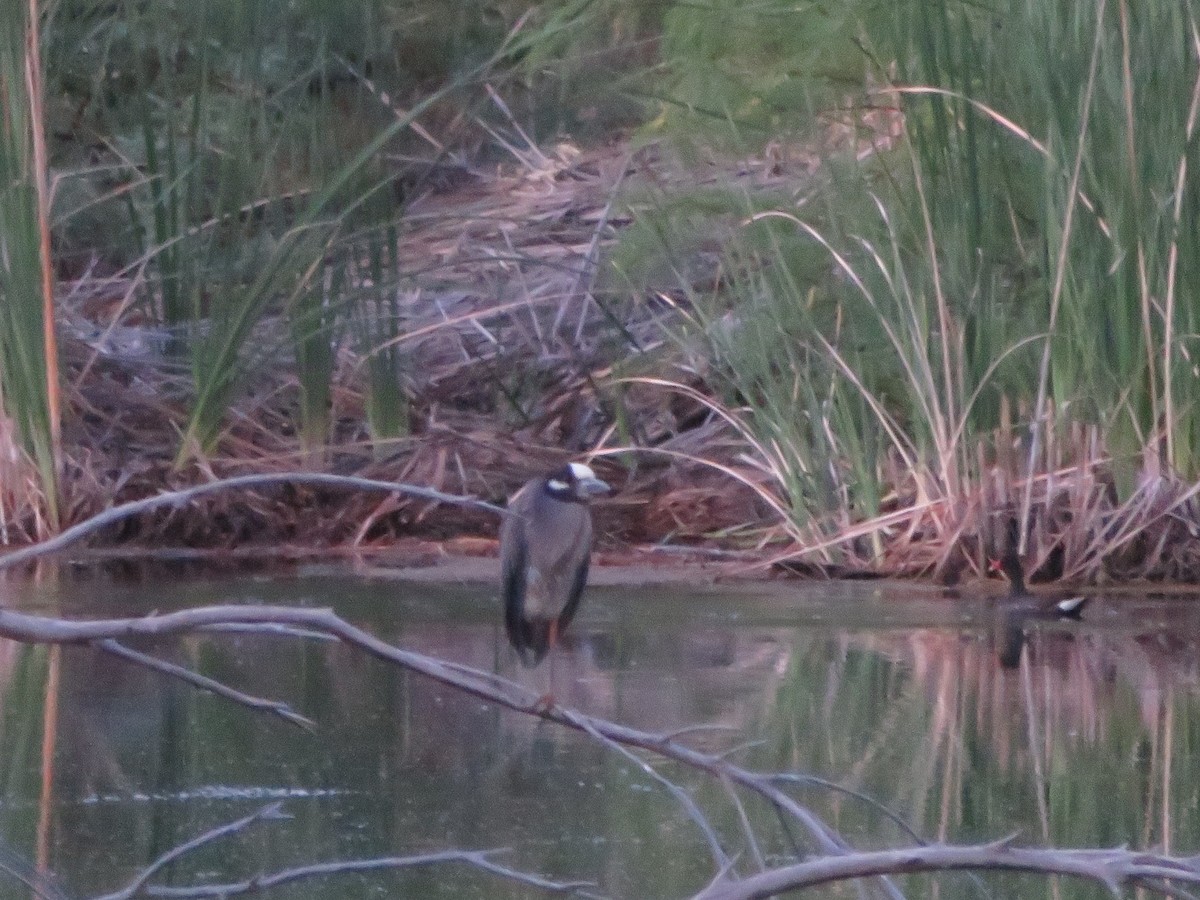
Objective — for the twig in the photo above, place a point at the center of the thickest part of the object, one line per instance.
(270, 629)
(720, 858)
(204, 683)
(178, 498)
(138, 885)
(43, 885)
(260, 883)
(751, 841)
(698, 729)
(1168, 890)
(828, 785)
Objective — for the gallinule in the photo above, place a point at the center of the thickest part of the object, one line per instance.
(1030, 605)
(1018, 607)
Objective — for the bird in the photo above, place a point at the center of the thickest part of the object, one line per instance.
(545, 549)
(1019, 607)
(1019, 601)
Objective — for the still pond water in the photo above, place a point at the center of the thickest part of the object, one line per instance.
(1090, 739)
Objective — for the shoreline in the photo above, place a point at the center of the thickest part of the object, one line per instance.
(471, 560)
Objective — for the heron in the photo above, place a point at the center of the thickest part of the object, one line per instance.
(545, 548)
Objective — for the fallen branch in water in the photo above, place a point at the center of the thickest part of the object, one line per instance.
(185, 495)
(484, 685)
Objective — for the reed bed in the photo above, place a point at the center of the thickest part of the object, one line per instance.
(862, 305)
(980, 319)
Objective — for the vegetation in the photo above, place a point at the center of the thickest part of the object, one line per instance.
(995, 322)
(921, 275)
(28, 370)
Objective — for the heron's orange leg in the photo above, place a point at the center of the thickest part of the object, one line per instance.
(546, 702)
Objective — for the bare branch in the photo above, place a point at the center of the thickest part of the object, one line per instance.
(751, 841)
(1113, 869)
(476, 858)
(484, 685)
(138, 885)
(1168, 890)
(789, 778)
(178, 498)
(204, 683)
(42, 885)
(141, 886)
(267, 628)
(699, 729)
(720, 858)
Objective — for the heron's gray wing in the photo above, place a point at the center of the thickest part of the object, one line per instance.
(514, 555)
(583, 557)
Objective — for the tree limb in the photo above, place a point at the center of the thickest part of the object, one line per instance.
(138, 885)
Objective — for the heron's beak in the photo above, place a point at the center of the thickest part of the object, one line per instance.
(592, 487)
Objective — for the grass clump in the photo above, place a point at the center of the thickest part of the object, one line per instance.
(1002, 323)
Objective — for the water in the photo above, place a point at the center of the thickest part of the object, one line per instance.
(894, 691)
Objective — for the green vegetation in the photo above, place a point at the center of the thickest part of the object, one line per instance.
(1077, 222)
(28, 356)
(227, 183)
(939, 258)
(1023, 247)
(247, 139)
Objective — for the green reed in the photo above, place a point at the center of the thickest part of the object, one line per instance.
(28, 356)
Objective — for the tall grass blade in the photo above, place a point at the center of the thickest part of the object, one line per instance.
(380, 326)
(28, 350)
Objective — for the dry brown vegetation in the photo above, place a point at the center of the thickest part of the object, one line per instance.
(512, 362)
